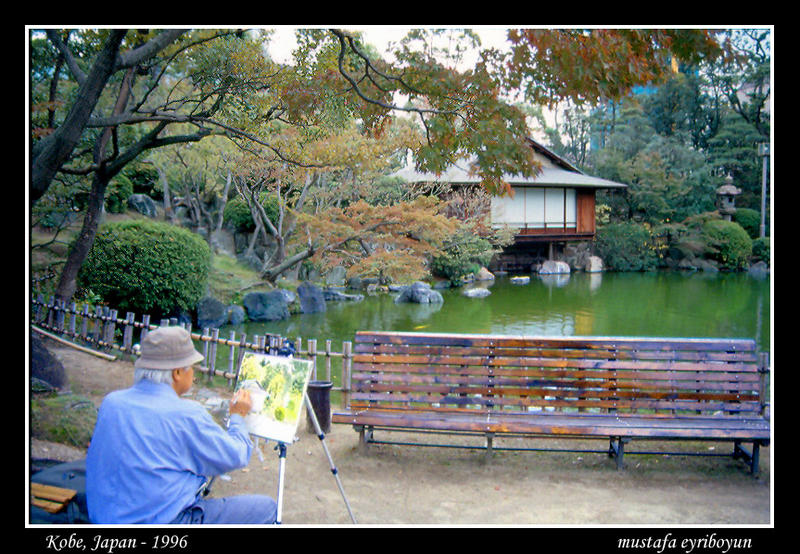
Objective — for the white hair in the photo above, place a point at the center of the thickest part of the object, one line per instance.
(154, 375)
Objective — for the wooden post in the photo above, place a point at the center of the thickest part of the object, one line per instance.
(73, 316)
(347, 361)
(111, 328)
(231, 346)
(98, 324)
(240, 355)
(204, 338)
(328, 360)
(212, 367)
(85, 322)
(145, 327)
(312, 354)
(127, 333)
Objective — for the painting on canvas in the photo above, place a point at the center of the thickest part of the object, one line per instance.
(277, 388)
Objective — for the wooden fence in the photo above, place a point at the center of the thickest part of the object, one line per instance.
(101, 329)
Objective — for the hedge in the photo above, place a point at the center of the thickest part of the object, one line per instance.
(147, 267)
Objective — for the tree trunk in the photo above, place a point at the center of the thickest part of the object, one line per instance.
(77, 255)
(68, 281)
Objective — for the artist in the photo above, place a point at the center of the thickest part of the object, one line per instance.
(152, 450)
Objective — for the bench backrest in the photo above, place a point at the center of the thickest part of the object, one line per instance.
(410, 371)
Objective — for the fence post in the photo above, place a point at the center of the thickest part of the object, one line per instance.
(328, 360)
(312, 353)
(85, 322)
(239, 356)
(127, 333)
(231, 346)
(98, 324)
(204, 338)
(347, 361)
(213, 355)
(145, 327)
(73, 316)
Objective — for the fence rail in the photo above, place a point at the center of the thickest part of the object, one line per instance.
(101, 328)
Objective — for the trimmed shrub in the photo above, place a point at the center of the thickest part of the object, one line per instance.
(626, 247)
(761, 250)
(728, 243)
(750, 220)
(147, 267)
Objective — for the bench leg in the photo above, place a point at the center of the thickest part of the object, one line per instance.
(751, 458)
(364, 438)
(489, 449)
(616, 449)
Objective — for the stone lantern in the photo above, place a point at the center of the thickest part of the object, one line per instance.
(726, 198)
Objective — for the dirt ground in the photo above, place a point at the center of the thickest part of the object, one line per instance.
(422, 486)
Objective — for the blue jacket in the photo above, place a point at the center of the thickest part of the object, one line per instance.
(152, 450)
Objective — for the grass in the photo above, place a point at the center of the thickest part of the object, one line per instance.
(63, 418)
(228, 278)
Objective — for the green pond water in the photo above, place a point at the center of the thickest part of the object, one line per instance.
(669, 304)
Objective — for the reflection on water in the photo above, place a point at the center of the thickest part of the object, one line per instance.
(626, 304)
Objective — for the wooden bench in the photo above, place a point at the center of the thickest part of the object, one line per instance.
(612, 388)
(50, 498)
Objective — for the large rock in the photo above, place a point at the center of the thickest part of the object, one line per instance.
(594, 265)
(553, 267)
(142, 204)
(211, 313)
(419, 292)
(45, 367)
(222, 242)
(236, 314)
(484, 275)
(311, 298)
(476, 292)
(336, 277)
(266, 306)
(339, 296)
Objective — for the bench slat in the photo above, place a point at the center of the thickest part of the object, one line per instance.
(622, 343)
(560, 424)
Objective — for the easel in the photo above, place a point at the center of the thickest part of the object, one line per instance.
(281, 448)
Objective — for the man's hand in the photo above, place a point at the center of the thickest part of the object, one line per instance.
(241, 403)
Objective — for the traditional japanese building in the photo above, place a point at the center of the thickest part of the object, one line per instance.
(546, 212)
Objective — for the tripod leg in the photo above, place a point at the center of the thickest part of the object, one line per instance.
(335, 471)
(281, 472)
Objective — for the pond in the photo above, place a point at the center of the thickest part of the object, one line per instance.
(670, 304)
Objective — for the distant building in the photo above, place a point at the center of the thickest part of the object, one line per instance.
(545, 212)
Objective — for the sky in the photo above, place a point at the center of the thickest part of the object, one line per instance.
(379, 36)
(283, 41)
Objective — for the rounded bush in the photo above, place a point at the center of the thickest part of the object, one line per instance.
(147, 267)
(761, 250)
(729, 243)
(626, 247)
(750, 220)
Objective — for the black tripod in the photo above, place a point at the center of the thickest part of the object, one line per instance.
(281, 447)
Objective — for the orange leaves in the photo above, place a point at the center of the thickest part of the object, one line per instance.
(598, 63)
(385, 241)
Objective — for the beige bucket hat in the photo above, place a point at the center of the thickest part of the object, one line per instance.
(167, 348)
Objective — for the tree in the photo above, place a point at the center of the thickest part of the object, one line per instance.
(146, 90)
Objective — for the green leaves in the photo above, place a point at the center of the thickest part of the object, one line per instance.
(147, 267)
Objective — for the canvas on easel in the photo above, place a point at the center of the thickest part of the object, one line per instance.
(277, 388)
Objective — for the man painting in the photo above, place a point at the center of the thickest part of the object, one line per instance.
(152, 451)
